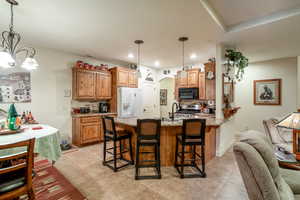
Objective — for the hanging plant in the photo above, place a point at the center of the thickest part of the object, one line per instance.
(235, 59)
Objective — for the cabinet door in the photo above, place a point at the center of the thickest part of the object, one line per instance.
(85, 84)
(103, 89)
(123, 76)
(183, 79)
(132, 80)
(193, 76)
(202, 91)
(106, 85)
(99, 86)
(90, 132)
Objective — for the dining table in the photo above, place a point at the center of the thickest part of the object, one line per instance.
(47, 141)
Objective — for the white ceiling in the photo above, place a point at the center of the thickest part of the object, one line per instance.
(238, 11)
(106, 29)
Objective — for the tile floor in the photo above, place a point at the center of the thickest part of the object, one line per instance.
(84, 170)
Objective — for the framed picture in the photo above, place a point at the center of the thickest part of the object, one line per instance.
(15, 87)
(267, 92)
(163, 97)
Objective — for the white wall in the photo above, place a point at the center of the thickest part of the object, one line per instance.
(250, 116)
(48, 82)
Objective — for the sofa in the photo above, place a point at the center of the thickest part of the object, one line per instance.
(262, 176)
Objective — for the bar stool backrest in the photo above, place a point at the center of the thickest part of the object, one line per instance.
(194, 129)
(109, 126)
(148, 128)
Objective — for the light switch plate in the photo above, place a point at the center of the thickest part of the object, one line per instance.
(67, 93)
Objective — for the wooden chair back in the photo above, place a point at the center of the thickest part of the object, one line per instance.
(148, 128)
(194, 129)
(23, 160)
(109, 126)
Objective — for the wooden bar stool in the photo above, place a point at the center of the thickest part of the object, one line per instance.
(115, 134)
(193, 135)
(148, 134)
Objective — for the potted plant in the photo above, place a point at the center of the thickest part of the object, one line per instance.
(235, 59)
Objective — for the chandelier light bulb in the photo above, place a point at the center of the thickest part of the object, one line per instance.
(30, 64)
(6, 60)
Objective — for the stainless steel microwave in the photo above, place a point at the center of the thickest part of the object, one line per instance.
(188, 93)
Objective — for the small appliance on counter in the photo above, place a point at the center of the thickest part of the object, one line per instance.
(84, 110)
(103, 107)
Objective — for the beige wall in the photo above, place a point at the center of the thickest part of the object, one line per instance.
(250, 116)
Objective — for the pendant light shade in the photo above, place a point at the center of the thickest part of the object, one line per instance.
(139, 42)
(6, 60)
(30, 64)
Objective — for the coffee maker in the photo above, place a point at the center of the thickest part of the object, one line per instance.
(103, 107)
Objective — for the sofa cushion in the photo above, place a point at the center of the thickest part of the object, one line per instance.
(292, 178)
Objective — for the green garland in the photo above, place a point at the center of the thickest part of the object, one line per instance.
(238, 60)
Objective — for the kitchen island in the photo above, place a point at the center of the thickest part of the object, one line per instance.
(169, 130)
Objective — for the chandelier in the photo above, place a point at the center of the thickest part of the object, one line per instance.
(9, 46)
(139, 42)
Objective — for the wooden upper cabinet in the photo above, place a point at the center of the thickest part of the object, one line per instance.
(103, 86)
(123, 77)
(193, 76)
(91, 85)
(85, 84)
(202, 86)
(132, 79)
(182, 79)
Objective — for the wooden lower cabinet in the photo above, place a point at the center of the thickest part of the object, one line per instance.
(86, 130)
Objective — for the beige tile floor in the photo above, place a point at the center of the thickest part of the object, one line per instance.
(83, 168)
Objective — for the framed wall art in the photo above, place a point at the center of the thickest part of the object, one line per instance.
(15, 87)
(267, 92)
(163, 97)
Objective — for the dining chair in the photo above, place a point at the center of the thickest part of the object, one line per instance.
(16, 178)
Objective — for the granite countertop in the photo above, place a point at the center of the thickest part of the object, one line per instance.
(92, 114)
(176, 122)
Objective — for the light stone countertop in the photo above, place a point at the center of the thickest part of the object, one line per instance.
(92, 114)
(176, 122)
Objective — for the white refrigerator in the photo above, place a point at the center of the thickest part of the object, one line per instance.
(129, 102)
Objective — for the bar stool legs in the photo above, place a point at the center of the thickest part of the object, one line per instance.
(156, 161)
(192, 162)
(115, 155)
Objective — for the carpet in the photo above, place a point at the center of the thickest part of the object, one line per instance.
(50, 184)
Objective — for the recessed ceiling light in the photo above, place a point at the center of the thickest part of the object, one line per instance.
(193, 56)
(156, 63)
(130, 55)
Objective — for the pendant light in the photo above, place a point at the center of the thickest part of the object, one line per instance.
(9, 46)
(183, 39)
(139, 42)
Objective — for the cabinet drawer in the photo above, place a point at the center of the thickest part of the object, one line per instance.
(90, 119)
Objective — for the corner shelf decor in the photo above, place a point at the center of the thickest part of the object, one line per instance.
(229, 112)
(235, 59)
